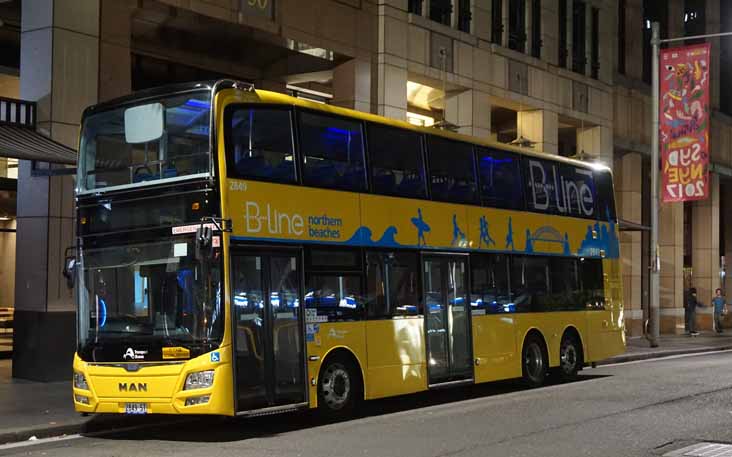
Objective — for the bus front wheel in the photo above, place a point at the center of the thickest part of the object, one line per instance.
(534, 361)
(338, 387)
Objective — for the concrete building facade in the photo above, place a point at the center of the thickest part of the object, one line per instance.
(568, 77)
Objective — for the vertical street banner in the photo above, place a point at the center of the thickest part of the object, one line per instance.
(684, 126)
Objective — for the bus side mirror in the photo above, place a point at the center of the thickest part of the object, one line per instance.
(204, 242)
(70, 271)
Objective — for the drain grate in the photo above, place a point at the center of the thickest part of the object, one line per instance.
(703, 450)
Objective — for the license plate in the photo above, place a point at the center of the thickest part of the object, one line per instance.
(135, 408)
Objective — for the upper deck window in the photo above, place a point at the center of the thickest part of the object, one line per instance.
(332, 152)
(397, 166)
(500, 179)
(260, 145)
(563, 189)
(452, 172)
(153, 140)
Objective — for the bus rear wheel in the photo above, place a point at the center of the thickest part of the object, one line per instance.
(534, 361)
(570, 358)
(338, 388)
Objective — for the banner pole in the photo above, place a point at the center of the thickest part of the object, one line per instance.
(655, 311)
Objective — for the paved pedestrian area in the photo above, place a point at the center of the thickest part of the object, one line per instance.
(669, 345)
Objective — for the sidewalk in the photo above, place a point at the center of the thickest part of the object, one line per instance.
(639, 348)
(44, 409)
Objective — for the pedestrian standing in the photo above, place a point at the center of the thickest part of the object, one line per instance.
(720, 308)
(690, 311)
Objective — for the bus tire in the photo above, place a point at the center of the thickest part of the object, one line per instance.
(339, 387)
(534, 361)
(570, 357)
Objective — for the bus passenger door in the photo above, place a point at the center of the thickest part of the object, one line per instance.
(270, 354)
(447, 322)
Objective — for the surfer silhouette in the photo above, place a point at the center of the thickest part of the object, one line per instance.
(457, 235)
(422, 228)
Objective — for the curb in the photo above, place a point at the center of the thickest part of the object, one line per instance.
(94, 426)
(662, 354)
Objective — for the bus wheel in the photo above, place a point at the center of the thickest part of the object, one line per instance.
(338, 388)
(570, 358)
(534, 361)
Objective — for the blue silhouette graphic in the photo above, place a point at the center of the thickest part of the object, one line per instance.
(567, 250)
(600, 239)
(509, 235)
(458, 236)
(529, 245)
(387, 239)
(485, 236)
(364, 237)
(422, 228)
(546, 234)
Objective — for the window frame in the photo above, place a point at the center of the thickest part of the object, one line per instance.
(428, 176)
(298, 111)
(420, 291)
(519, 160)
(229, 145)
(370, 163)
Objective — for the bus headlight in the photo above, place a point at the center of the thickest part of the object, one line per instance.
(199, 380)
(80, 381)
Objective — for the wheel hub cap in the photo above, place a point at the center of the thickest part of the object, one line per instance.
(336, 386)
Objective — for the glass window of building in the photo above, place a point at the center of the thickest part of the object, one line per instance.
(517, 25)
(441, 11)
(260, 145)
(579, 36)
(563, 52)
(332, 152)
(464, 16)
(497, 21)
(595, 44)
(397, 165)
(536, 41)
(452, 177)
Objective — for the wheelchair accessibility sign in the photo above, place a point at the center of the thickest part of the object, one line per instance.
(215, 357)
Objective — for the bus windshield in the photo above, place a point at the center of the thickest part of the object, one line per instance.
(155, 292)
(156, 139)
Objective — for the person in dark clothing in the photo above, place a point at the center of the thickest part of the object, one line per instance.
(690, 311)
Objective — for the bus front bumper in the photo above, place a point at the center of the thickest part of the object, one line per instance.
(156, 388)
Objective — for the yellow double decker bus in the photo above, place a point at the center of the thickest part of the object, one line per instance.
(245, 252)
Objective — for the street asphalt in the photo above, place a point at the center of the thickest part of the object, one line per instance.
(642, 408)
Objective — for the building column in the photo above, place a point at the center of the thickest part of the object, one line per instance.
(628, 175)
(352, 85)
(541, 126)
(59, 68)
(471, 111)
(391, 62)
(671, 246)
(705, 259)
(596, 141)
(115, 55)
(713, 24)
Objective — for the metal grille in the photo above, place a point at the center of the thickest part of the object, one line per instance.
(703, 450)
